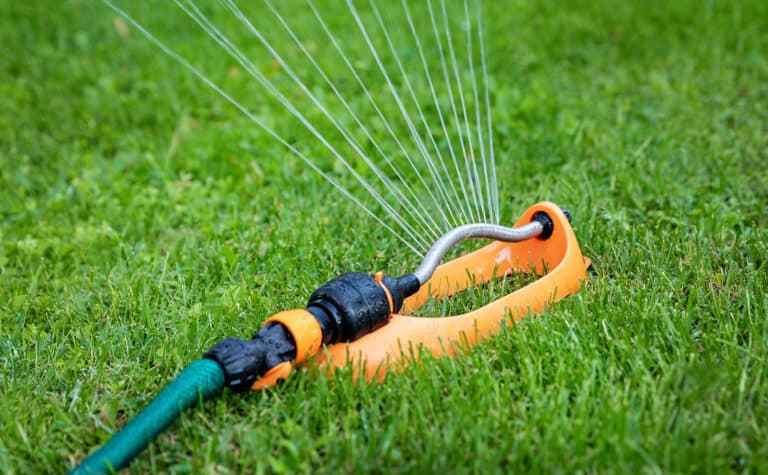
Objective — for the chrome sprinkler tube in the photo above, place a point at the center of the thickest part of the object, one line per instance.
(478, 230)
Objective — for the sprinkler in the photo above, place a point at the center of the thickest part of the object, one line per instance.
(360, 321)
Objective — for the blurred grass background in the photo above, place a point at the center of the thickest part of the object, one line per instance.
(142, 219)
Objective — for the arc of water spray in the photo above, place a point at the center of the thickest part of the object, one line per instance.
(478, 127)
(351, 112)
(472, 165)
(393, 90)
(466, 213)
(368, 95)
(402, 201)
(434, 172)
(236, 54)
(418, 245)
(446, 198)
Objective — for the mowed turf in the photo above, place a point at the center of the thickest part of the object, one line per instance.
(142, 219)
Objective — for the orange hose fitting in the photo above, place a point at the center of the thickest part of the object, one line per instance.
(305, 330)
(273, 376)
(557, 259)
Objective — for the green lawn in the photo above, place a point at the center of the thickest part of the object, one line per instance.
(143, 219)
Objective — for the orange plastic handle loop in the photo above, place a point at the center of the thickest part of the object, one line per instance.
(305, 330)
(388, 348)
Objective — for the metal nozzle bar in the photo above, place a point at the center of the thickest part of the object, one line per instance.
(479, 230)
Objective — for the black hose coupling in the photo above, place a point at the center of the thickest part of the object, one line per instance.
(245, 361)
(346, 308)
(355, 304)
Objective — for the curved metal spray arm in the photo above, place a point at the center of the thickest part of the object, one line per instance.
(479, 230)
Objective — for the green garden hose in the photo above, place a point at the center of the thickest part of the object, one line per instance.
(200, 380)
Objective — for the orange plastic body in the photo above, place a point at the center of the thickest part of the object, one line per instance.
(306, 333)
(273, 376)
(388, 348)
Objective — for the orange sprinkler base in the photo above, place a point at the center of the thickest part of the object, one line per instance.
(403, 337)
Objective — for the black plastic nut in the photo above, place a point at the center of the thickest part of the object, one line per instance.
(349, 306)
(548, 226)
(245, 361)
(355, 304)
